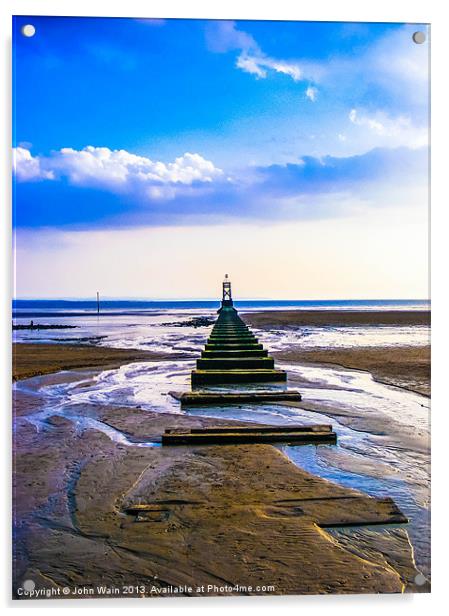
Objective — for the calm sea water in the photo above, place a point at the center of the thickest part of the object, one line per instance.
(29, 308)
(148, 325)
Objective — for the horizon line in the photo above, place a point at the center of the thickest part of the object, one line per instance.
(215, 299)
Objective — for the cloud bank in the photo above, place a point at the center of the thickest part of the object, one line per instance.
(103, 187)
(116, 170)
(28, 167)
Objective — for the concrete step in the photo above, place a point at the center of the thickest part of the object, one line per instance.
(235, 332)
(240, 363)
(230, 333)
(255, 435)
(232, 336)
(237, 376)
(232, 346)
(241, 353)
(232, 339)
(231, 326)
(228, 324)
(197, 398)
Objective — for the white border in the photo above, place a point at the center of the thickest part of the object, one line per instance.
(320, 10)
(430, 11)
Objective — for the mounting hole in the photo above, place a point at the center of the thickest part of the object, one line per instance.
(419, 37)
(420, 580)
(29, 585)
(28, 30)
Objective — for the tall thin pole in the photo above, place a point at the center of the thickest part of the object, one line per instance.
(98, 302)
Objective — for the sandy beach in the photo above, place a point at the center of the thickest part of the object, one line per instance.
(403, 366)
(297, 318)
(197, 517)
(213, 517)
(37, 359)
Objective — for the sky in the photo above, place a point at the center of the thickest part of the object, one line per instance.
(150, 157)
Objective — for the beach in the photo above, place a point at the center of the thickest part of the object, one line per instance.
(37, 359)
(401, 365)
(99, 501)
(407, 367)
(354, 317)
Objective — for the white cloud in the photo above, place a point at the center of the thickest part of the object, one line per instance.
(116, 169)
(26, 167)
(398, 130)
(120, 166)
(259, 65)
(370, 122)
(251, 65)
(224, 36)
(312, 93)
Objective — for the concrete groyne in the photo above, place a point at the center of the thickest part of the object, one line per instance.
(233, 354)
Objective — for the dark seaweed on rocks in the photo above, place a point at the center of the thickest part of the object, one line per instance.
(31, 325)
(194, 322)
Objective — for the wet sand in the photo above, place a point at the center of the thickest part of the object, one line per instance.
(403, 366)
(210, 515)
(36, 359)
(335, 318)
(90, 512)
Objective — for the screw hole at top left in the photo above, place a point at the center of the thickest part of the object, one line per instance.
(28, 30)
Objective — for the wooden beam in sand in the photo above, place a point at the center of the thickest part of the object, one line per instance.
(302, 435)
(196, 398)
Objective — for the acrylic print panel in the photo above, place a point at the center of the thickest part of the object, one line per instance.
(221, 319)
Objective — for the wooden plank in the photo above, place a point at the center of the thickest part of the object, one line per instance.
(255, 429)
(298, 437)
(252, 397)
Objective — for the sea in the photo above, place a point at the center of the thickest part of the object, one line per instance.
(29, 306)
(152, 325)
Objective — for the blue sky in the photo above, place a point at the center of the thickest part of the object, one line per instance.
(152, 82)
(123, 124)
